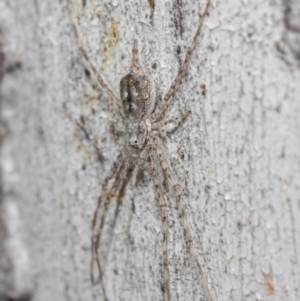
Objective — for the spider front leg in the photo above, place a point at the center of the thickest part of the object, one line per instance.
(158, 179)
(122, 172)
(95, 244)
(110, 176)
(157, 143)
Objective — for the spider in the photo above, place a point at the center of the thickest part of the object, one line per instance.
(145, 120)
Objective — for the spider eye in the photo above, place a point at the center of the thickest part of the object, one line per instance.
(135, 141)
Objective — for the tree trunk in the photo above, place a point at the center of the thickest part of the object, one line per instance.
(236, 156)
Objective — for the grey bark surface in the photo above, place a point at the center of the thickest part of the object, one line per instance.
(236, 156)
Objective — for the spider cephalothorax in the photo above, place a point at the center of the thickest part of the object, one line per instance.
(138, 132)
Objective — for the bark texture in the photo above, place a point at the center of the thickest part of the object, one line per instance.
(236, 156)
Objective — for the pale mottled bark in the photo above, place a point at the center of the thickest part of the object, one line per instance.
(237, 155)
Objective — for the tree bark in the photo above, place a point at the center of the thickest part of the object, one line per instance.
(236, 156)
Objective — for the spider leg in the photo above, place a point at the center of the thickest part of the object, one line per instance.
(87, 136)
(122, 174)
(175, 122)
(173, 88)
(120, 194)
(165, 220)
(101, 82)
(95, 245)
(157, 143)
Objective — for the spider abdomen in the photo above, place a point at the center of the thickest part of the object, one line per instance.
(137, 90)
(137, 93)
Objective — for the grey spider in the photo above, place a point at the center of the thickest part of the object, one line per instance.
(145, 120)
